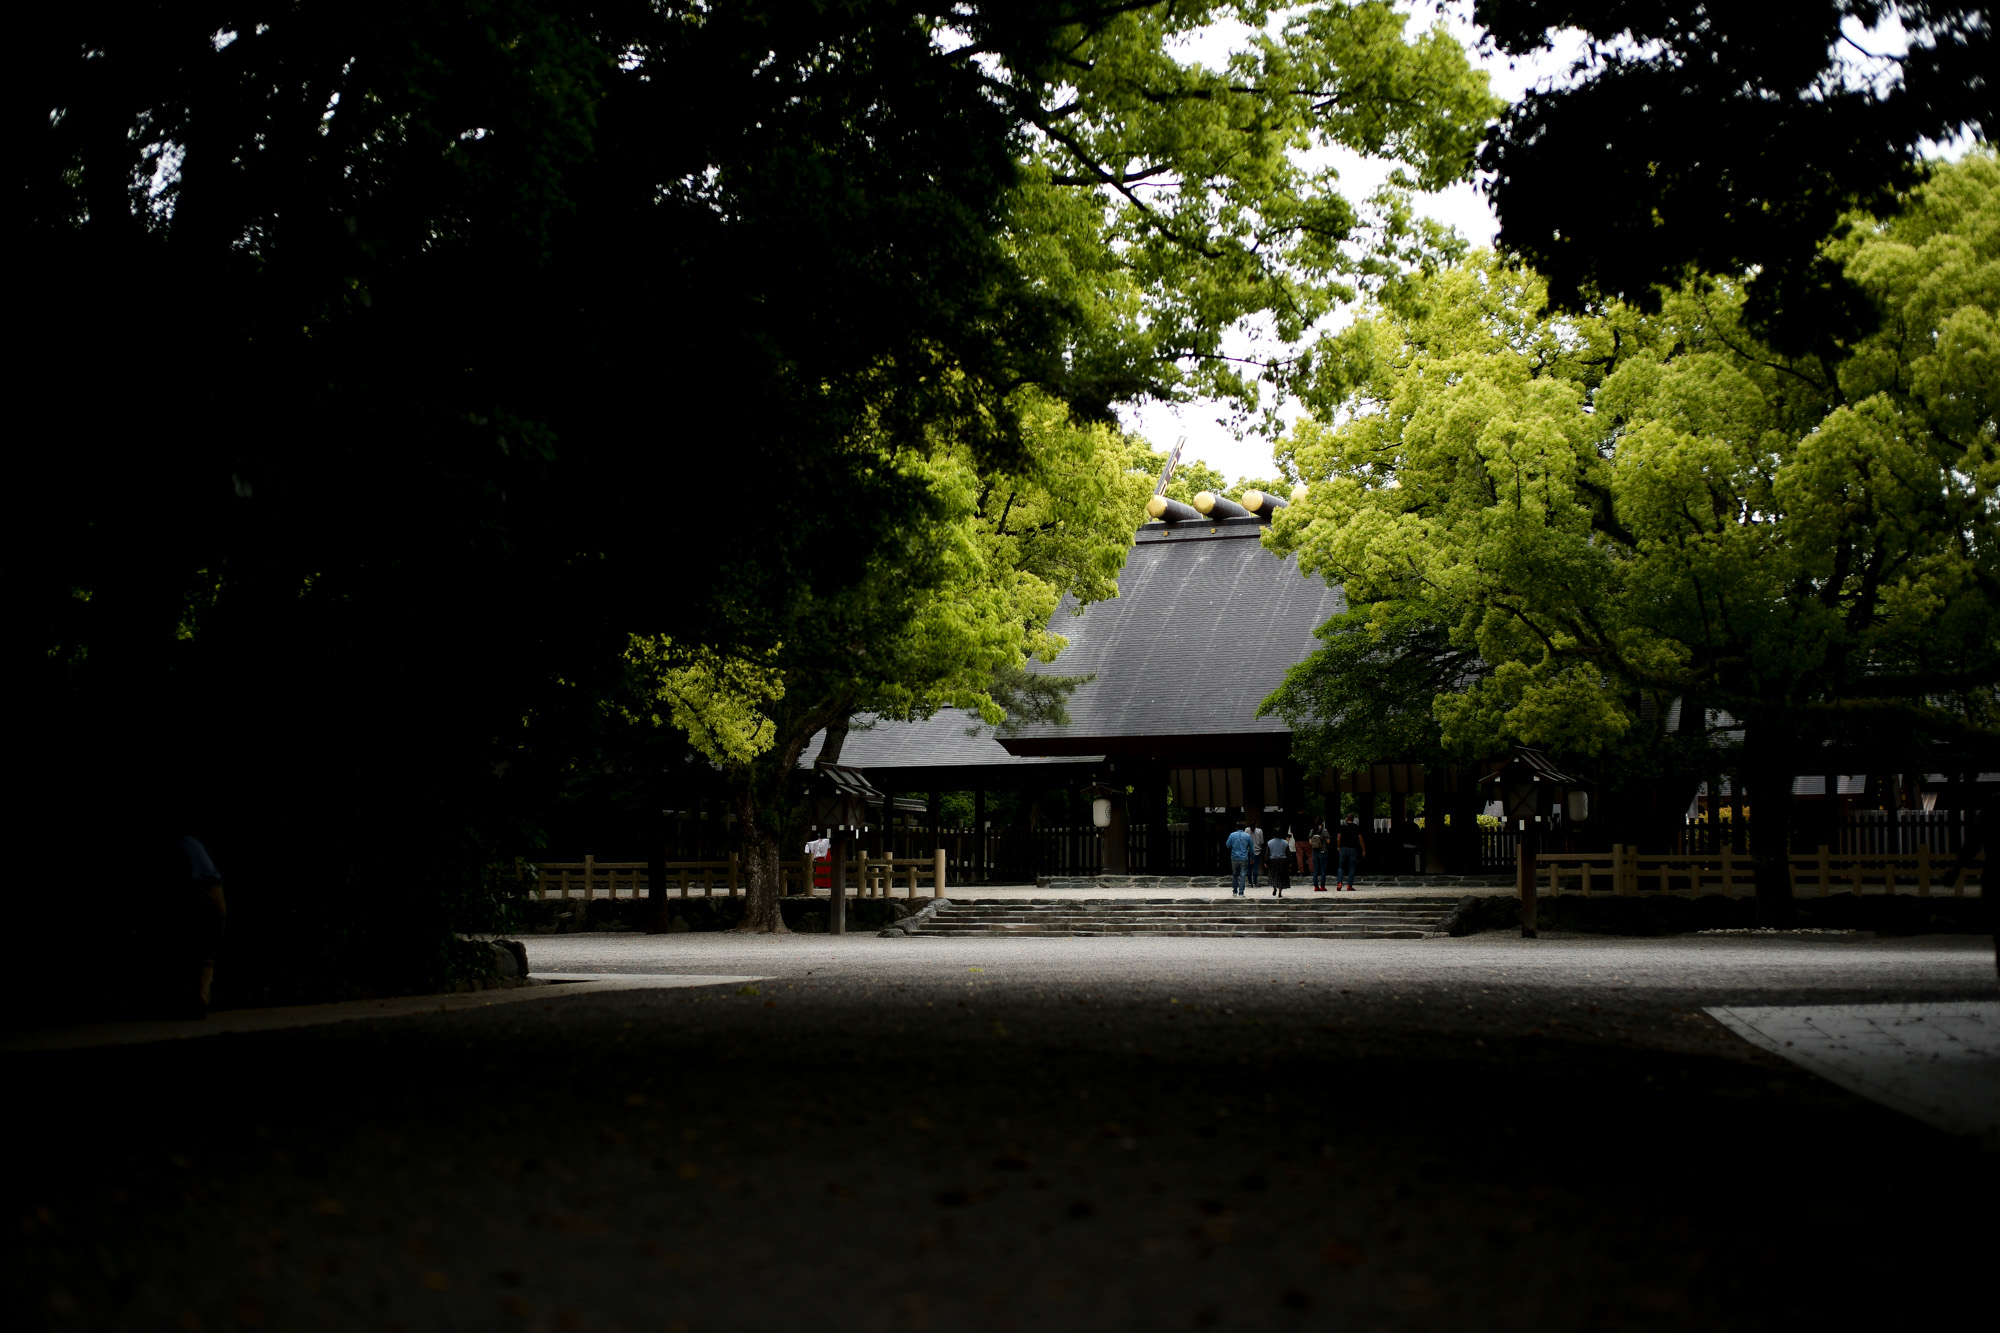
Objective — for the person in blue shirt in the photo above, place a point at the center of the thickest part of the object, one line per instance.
(1242, 853)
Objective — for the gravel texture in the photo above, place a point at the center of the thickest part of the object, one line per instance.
(1112, 1133)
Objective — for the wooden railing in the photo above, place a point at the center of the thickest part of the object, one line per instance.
(875, 877)
(1625, 870)
(868, 877)
(585, 878)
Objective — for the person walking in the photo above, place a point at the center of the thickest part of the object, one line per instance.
(1279, 851)
(1320, 841)
(1351, 845)
(1242, 850)
(1256, 850)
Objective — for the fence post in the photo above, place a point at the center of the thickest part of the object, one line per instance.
(589, 878)
(937, 873)
(913, 877)
(1586, 877)
(1524, 875)
(861, 872)
(684, 882)
(1618, 868)
(1728, 871)
(1825, 872)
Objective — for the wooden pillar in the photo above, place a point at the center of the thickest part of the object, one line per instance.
(1152, 794)
(937, 873)
(1116, 860)
(836, 920)
(656, 872)
(980, 841)
(1398, 857)
(1524, 872)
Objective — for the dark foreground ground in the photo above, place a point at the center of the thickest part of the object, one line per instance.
(1018, 1134)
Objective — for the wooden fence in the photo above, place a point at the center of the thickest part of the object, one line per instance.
(1624, 870)
(869, 877)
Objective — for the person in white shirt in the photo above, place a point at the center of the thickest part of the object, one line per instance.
(1256, 852)
(1279, 852)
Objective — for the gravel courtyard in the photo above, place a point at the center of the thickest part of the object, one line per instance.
(1021, 1133)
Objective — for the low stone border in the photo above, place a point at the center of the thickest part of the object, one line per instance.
(914, 922)
(1223, 881)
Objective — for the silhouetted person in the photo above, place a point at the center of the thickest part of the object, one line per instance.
(190, 914)
(1412, 839)
(1351, 845)
(1322, 844)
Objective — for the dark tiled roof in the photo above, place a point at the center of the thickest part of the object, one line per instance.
(938, 742)
(1204, 627)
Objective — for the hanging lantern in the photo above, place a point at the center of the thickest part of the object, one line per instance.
(1100, 812)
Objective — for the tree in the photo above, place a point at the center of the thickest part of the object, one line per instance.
(1169, 204)
(1727, 139)
(1620, 506)
(366, 349)
(947, 615)
(399, 365)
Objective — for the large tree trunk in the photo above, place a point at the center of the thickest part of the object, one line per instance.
(760, 860)
(835, 739)
(1770, 782)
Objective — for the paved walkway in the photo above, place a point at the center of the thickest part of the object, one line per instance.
(1937, 1062)
(996, 1135)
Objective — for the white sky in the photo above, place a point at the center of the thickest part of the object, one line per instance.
(1461, 206)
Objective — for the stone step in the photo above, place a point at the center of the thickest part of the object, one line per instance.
(1169, 914)
(1409, 919)
(1191, 913)
(1066, 929)
(1258, 903)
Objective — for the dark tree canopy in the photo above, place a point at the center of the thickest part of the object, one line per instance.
(389, 363)
(1723, 138)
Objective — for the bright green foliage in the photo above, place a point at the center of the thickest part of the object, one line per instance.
(947, 615)
(718, 702)
(1164, 199)
(1593, 509)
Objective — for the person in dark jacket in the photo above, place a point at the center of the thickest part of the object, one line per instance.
(1351, 845)
(192, 915)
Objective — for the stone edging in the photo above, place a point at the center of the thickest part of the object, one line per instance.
(1223, 881)
(912, 923)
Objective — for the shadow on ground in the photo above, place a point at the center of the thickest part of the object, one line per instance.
(1312, 1139)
